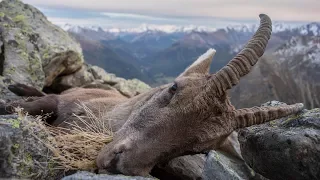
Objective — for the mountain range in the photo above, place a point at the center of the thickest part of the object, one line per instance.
(157, 55)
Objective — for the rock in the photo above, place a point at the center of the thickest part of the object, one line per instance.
(33, 50)
(65, 63)
(288, 148)
(215, 165)
(21, 154)
(77, 79)
(91, 176)
(132, 87)
(223, 166)
(107, 78)
(128, 88)
(188, 167)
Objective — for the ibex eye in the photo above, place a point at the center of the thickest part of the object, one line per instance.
(174, 88)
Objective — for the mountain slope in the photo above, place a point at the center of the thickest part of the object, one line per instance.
(290, 74)
(98, 54)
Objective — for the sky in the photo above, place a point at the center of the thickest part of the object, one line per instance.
(209, 13)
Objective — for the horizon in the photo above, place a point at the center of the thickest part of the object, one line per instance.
(128, 15)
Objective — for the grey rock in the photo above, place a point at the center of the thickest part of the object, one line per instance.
(221, 166)
(188, 167)
(288, 148)
(79, 78)
(21, 154)
(91, 176)
(132, 87)
(107, 78)
(33, 50)
(128, 88)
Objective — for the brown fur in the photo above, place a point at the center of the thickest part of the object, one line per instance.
(191, 115)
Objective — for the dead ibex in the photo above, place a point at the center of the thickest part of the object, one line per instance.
(190, 115)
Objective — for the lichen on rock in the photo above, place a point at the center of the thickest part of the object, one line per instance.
(287, 148)
(22, 154)
(31, 46)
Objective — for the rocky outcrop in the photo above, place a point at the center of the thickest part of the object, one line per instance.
(214, 165)
(129, 88)
(91, 176)
(288, 148)
(188, 167)
(223, 166)
(33, 50)
(22, 154)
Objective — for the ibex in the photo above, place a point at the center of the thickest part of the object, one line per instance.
(190, 115)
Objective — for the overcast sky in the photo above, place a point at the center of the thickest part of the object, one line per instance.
(212, 13)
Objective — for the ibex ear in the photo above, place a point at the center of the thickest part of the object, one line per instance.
(201, 65)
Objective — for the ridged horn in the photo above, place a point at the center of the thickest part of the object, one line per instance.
(258, 115)
(241, 65)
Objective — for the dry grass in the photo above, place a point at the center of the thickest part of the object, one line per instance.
(78, 148)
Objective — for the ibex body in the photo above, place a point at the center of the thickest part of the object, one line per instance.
(190, 115)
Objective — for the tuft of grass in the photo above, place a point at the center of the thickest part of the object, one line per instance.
(78, 147)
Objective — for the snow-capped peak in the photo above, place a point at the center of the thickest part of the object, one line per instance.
(308, 29)
(251, 28)
(80, 28)
(161, 28)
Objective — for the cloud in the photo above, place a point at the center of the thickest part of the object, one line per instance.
(284, 10)
(133, 16)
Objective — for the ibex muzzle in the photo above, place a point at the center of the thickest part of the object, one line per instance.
(190, 115)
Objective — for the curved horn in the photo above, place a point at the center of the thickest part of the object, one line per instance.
(241, 65)
(258, 115)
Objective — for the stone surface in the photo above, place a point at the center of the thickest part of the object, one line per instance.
(91, 176)
(288, 148)
(107, 78)
(21, 154)
(222, 166)
(188, 167)
(132, 87)
(81, 77)
(128, 88)
(33, 50)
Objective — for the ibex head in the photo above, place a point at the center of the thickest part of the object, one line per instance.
(190, 115)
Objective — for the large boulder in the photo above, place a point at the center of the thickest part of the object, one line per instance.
(22, 154)
(288, 148)
(214, 165)
(188, 167)
(131, 87)
(33, 50)
(128, 88)
(219, 165)
(80, 78)
(91, 176)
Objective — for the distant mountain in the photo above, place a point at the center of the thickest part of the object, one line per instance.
(97, 53)
(92, 33)
(163, 28)
(173, 60)
(162, 52)
(290, 74)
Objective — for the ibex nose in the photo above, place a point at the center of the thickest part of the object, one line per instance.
(108, 161)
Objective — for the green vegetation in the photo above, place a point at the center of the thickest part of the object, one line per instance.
(2, 14)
